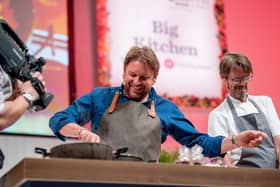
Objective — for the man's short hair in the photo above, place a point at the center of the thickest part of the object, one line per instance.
(231, 60)
(145, 55)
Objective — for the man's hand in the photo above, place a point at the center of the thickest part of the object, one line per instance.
(250, 138)
(21, 87)
(87, 136)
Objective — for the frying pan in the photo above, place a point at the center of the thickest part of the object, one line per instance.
(87, 150)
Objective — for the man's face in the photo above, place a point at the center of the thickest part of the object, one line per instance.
(237, 83)
(138, 80)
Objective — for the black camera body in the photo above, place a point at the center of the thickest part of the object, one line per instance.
(19, 64)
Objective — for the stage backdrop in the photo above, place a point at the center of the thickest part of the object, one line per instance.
(184, 35)
(42, 25)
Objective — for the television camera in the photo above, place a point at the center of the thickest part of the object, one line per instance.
(19, 64)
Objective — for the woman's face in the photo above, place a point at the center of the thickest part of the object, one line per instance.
(138, 80)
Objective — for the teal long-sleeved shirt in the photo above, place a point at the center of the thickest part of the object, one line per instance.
(92, 106)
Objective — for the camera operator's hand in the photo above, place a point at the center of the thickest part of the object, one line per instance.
(20, 87)
(18, 103)
(39, 76)
(27, 86)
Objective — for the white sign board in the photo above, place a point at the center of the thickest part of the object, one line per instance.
(183, 34)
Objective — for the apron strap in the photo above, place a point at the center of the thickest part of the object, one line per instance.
(114, 103)
(151, 111)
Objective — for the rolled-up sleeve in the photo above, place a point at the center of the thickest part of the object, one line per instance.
(183, 131)
(78, 112)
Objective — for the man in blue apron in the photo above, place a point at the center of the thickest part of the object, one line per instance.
(240, 111)
(133, 115)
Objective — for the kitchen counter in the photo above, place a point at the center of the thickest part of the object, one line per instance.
(32, 172)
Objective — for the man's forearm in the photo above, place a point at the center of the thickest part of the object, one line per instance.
(228, 144)
(71, 130)
(12, 111)
(276, 140)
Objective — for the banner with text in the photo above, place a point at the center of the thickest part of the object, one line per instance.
(183, 33)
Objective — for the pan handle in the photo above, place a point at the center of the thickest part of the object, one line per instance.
(118, 152)
(41, 151)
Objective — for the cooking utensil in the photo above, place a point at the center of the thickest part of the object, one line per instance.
(83, 150)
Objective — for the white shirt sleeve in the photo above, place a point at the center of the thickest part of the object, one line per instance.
(5, 85)
(2, 100)
(217, 125)
(271, 114)
(2, 97)
(220, 122)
